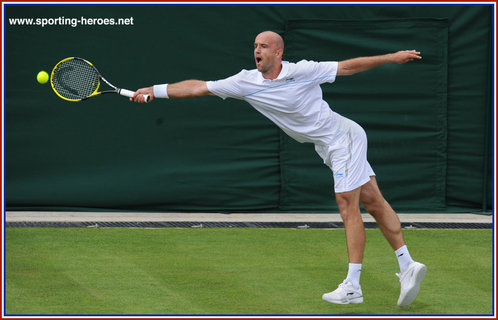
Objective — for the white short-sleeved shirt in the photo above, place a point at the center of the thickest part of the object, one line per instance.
(293, 101)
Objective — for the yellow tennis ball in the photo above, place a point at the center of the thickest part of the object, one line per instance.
(42, 77)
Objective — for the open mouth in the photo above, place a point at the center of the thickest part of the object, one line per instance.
(258, 59)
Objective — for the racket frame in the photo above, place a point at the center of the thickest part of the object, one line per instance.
(123, 92)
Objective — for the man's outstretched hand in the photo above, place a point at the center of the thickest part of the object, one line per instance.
(406, 56)
(139, 95)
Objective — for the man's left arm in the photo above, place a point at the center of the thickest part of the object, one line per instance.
(352, 66)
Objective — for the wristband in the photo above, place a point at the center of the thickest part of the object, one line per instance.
(161, 91)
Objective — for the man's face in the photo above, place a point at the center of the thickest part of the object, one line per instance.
(266, 53)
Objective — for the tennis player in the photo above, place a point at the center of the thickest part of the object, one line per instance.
(289, 94)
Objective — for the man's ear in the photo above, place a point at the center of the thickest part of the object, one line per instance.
(280, 53)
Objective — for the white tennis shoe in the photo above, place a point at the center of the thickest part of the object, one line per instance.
(344, 294)
(410, 282)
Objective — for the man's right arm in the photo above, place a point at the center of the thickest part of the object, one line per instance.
(188, 89)
(183, 89)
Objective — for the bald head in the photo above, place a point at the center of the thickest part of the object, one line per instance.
(268, 51)
(272, 38)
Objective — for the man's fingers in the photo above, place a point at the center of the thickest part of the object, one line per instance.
(415, 54)
(408, 55)
(139, 96)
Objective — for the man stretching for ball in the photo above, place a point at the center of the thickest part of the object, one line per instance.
(289, 94)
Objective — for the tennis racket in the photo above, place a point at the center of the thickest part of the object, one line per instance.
(76, 79)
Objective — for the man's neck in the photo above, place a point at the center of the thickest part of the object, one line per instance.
(273, 74)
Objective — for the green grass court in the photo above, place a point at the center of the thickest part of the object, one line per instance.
(236, 271)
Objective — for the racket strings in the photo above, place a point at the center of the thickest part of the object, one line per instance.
(75, 79)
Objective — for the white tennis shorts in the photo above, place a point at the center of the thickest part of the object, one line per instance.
(347, 157)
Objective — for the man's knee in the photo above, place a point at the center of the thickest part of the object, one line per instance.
(371, 198)
(373, 203)
(348, 204)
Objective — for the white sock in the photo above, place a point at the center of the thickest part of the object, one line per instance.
(354, 273)
(404, 258)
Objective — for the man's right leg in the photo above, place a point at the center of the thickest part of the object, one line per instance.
(349, 207)
(350, 291)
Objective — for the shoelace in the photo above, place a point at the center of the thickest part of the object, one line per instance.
(399, 276)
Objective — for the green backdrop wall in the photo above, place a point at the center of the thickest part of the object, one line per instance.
(429, 122)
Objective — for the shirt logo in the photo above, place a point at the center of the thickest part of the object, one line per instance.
(289, 79)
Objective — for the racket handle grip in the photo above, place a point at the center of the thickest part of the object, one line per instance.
(129, 94)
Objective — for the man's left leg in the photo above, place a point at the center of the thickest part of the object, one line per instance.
(411, 272)
(372, 200)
